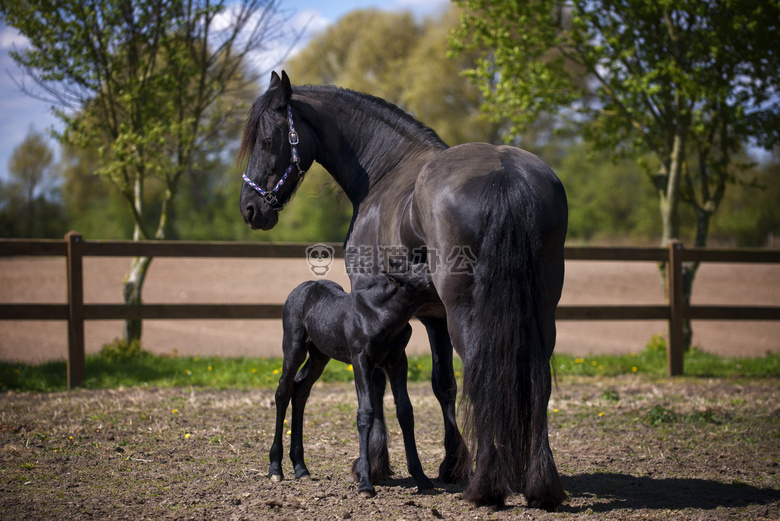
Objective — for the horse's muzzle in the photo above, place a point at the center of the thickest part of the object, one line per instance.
(257, 219)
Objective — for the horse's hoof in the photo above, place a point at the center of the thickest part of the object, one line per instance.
(426, 491)
(276, 478)
(368, 494)
(304, 477)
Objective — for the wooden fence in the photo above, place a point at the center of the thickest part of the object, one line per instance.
(75, 311)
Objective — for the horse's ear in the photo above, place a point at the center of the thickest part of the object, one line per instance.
(281, 88)
(286, 88)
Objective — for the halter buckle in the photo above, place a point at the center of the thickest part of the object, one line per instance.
(293, 137)
(271, 199)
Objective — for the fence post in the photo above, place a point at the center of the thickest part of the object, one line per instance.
(674, 354)
(75, 274)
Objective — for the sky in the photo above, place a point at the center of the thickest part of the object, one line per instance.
(18, 112)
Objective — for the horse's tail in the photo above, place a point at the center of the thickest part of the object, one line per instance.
(506, 368)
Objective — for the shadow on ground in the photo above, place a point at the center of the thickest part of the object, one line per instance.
(620, 491)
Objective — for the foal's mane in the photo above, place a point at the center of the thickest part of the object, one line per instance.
(352, 101)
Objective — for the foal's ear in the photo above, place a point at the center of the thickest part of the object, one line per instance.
(393, 279)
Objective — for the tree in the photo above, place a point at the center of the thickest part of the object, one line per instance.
(391, 56)
(145, 82)
(688, 82)
(30, 169)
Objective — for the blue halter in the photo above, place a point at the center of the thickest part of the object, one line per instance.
(270, 197)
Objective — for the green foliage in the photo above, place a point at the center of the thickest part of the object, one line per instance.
(29, 205)
(405, 62)
(750, 216)
(686, 82)
(120, 350)
(607, 200)
(659, 415)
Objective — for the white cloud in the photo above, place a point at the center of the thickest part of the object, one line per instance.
(10, 37)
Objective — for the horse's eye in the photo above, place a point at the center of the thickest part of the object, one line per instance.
(266, 143)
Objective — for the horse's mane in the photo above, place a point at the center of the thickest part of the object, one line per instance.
(377, 107)
(251, 129)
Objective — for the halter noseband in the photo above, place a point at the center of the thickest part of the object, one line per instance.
(295, 160)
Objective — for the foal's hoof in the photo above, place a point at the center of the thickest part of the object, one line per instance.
(276, 478)
(368, 494)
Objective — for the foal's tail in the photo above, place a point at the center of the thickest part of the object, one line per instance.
(506, 369)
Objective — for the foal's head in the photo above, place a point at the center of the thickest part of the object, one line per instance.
(413, 285)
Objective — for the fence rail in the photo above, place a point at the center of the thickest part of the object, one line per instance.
(75, 311)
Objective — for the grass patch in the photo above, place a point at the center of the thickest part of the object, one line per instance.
(129, 366)
(652, 361)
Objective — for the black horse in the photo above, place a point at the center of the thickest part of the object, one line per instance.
(368, 328)
(489, 220)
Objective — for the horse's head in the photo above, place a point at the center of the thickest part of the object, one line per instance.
(270, 147)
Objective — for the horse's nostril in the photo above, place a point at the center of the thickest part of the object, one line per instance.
(250, 213)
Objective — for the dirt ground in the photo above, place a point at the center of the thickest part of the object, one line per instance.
(627, 448)
(41, 280)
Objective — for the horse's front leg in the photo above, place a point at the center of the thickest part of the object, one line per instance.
(455, 468)
(365, 420)
(397, 367)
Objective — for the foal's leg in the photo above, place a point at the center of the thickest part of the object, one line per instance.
(304, 381)
(455, 468)
(294, 346)
(396, 366)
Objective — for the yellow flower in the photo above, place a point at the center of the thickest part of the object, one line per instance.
(635, 369)
(174, 411)
(197, 359)
(276, 371)
(187, 435)
(289, 432)
(602, 414)
(350, 368)
(254, 370)
(579, 360)
(555, 410)
(209, 368)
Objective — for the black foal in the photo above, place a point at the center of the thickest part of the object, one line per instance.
(368, 328)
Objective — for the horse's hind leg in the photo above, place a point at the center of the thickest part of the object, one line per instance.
(455, 467)
(294, 347)
(543, 487)
(304, 381)
(378, 454)
(397, 366)
(365, 422)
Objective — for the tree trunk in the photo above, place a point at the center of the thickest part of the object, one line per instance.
(134, 282)
(132, 296)
(669, 193)
(139, 266)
